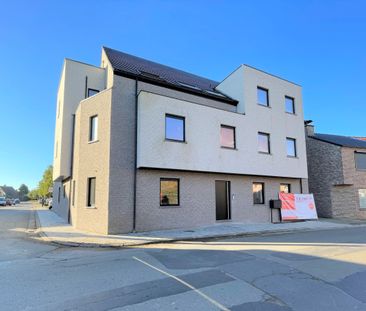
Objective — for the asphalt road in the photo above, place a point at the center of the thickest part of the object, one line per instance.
(323, 270)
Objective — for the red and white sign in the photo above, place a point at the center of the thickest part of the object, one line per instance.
(297, 206)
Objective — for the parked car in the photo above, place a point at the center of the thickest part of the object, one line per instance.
(16, 201)
(2, 201)
(9, 202)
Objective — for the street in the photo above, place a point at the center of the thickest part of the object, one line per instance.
(323, 270)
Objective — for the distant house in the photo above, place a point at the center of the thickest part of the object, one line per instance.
(8, 192)
(337, 174)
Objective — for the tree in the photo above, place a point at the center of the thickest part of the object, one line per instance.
(23, 191)
(33, 194)
(46, 183)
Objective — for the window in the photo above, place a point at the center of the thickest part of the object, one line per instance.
(64, 191)
(360, 160)
(93, 128)
(262, 96)
(92, 92)
(285, 188)
(289, 104)
(73, 192)
(291, 147)
(227, 137)
(258, 193)
(91, 191)
(263, 143)
(174, 128)
(362, 197)
(169, 192)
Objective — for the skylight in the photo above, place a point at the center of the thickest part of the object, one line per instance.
(215, 93)
(190, 86)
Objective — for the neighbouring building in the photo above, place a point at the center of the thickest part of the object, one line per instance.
(8, 192)
(143, 146)
(337, 174)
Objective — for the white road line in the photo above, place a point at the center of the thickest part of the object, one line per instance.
(214, 302)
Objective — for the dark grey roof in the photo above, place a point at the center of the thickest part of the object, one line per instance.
(344, 141)
(148, 70)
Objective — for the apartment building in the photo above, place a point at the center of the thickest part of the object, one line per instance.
(142, 146)
(337, 174)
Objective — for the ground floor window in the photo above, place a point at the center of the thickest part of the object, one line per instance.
(258, 193)
(285, 188)
(91, 191)
(169, 192)
(362, 197)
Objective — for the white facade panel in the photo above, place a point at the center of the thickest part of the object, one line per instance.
(202, 151)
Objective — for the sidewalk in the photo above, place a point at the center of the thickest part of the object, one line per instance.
(54, 229)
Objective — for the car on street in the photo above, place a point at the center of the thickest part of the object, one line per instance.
(9, 202)
(2, 201)
(16, 201)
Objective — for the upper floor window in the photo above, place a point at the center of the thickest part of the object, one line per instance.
(169, 192)
(285, 188)
(290, 104)
(360, 160)
(93, 128)
(227, 137)
(174, 128)
(262, 96)
(92, 92)
(263, 143)
(291, 147)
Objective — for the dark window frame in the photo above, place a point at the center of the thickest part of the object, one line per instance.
(263, 196)
(178, 191)
(293, 105)
(359, 169)
(88, 194)
(73, 193)
(93, 90)
(228, 127)
(91, 128)
(64, 191)
(286, 184)
(295, 147)
(268, 142)
(173, 116)
(267, 91)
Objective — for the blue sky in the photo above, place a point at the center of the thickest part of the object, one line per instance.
(318, 44)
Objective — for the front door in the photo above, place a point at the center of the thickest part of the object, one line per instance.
(222, 189)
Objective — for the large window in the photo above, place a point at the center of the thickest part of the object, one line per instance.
(174, 128)
(291, 147)
(258, 193)
(360, 159)
(263, 143)
(92, 92)
(362, 197)
(289, 104)
(169, 192)
(91, 191)
(227, 137)
(285, 188)
(262, 96)
(93, 128)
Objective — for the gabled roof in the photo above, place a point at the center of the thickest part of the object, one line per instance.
(343, 141)
(9, 192)
(146, 70)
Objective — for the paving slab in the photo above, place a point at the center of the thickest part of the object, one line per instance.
(54, 229)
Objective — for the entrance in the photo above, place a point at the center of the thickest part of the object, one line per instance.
(222, 189)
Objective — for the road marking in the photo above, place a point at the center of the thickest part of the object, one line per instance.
(214, 302)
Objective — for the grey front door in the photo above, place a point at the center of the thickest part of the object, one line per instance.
(222, 189)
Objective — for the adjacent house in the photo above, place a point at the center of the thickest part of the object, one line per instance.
(8, 192)
(142, 146)
(337, 174)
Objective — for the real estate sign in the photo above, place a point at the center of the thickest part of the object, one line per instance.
(297, 206)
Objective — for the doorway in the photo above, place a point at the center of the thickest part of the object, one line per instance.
(222, 190)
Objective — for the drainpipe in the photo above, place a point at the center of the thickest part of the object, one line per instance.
(135, 162)
(71, 164)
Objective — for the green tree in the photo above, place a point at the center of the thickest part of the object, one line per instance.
(46, 183)
(33, 194)
(23, 192)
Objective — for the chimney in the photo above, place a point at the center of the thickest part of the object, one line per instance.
(309, 128)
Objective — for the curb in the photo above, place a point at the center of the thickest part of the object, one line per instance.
(45, 238)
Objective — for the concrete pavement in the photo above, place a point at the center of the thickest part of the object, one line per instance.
(313, 270)
(53, 228)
